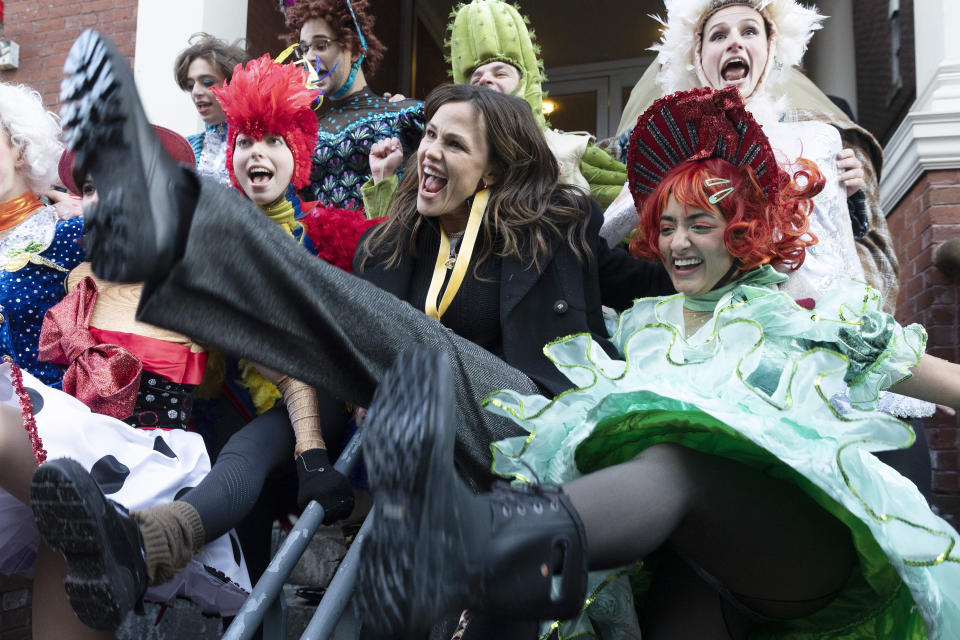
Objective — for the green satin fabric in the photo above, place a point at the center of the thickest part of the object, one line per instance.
(754, 384)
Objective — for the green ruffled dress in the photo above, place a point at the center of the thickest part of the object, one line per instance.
(754, 384)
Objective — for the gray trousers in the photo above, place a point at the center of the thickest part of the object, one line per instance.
(245, 286)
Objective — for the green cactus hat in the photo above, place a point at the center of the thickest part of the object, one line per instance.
(492, 30)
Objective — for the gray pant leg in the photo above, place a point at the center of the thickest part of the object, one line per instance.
(246, 286)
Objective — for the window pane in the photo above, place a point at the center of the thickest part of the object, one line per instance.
(574, 111)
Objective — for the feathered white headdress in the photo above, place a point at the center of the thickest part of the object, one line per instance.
(790, 24)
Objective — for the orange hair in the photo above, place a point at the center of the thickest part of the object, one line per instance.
(758, 232)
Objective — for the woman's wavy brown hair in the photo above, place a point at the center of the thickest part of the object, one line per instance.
(336, 13)
(527, 206)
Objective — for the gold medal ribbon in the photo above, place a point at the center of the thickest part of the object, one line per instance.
(463, 259)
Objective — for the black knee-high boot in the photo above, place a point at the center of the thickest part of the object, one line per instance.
(435, 547)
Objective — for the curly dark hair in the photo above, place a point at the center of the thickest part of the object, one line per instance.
(219, 53)
(337, 15)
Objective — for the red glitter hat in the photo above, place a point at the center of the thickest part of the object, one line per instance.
(267, 97)
(695, 125)
(175, 144)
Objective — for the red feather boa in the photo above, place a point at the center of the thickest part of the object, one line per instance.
(336, 232)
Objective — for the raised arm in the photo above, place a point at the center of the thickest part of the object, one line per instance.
(624, 278)
(934, 380)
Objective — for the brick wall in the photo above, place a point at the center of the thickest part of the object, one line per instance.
(927, 217)
(881, 107)
(45, 30)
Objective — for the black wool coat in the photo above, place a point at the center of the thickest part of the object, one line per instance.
(537, 307)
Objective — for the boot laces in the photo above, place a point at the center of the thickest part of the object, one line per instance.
(521, 499)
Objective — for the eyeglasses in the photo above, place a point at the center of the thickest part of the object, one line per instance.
(318, 44)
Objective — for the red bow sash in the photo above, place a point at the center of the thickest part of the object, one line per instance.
(105, 377)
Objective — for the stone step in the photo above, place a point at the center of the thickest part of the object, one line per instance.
(184, 620)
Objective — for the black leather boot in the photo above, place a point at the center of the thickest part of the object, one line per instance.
(435, 547)
(139, 227)
(107, 574)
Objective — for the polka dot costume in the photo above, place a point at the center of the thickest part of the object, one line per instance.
(137, 468)
(35, 258)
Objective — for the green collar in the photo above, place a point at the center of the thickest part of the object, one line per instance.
(759, 277)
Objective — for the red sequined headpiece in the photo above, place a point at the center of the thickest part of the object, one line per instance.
(696, 125)
(267, 97)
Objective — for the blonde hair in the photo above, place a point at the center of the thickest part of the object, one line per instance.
(34, 131)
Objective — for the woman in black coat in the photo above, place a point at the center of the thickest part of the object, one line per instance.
(481, 237)
(535, 307)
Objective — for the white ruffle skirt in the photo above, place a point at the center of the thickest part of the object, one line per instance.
(138, 468)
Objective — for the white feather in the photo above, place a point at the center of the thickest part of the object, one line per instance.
(792, 26)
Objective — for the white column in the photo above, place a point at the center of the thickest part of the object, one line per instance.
(831, 59)
(929, 137)
(937, 24)
(163, 29)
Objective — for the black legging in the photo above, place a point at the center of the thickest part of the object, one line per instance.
(773, 549)
(229, 492)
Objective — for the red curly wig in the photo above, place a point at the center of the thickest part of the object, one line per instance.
(336, 14)
(267, 97)
(758, 231)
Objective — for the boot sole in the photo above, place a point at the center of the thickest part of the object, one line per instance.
(404, 581)
(71, 516)
(106, 126)
(92, 120)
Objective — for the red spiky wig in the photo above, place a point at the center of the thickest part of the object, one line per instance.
(266, 97)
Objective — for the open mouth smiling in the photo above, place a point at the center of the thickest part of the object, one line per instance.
(432, 181)
(734, 69)
(685, 265)
(259, 176)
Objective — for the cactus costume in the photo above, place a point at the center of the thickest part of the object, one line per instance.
(485, 31)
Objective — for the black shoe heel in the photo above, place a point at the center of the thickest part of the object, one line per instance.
(106, 573)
